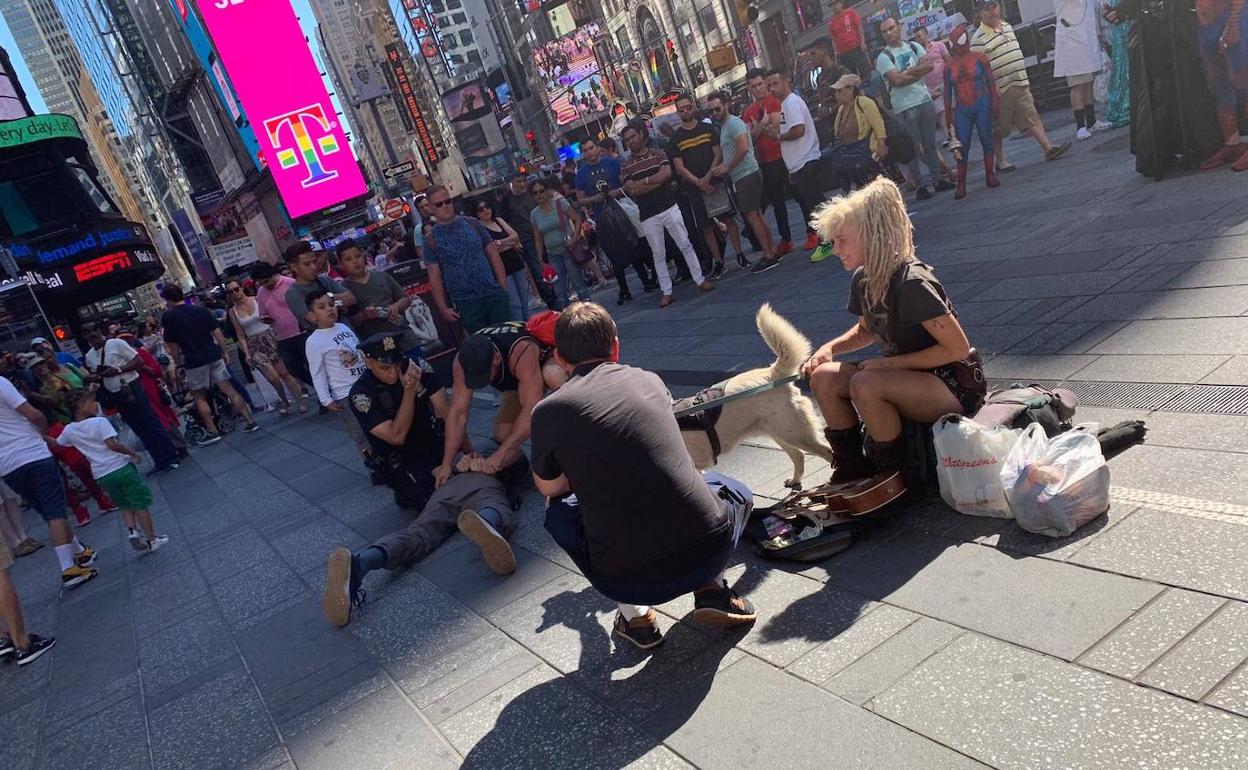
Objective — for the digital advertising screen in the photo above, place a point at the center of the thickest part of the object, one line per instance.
(281, 91)
(568, 71)
(467, 102)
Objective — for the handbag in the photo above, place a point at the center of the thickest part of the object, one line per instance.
(577, 249)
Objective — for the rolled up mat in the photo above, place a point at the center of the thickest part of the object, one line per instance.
(1116, 439)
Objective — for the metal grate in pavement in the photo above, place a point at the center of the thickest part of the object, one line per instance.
(1117, 395)
(1211, 399)
(1152, 396)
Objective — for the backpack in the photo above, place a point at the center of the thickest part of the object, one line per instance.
(1019, 406)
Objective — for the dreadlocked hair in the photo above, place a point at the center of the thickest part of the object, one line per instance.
(878, 213)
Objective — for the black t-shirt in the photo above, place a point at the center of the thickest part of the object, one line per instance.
(518, 208)
(373, 403)
(190, 327)
(914, 296)
(646, 510)
(696, 147)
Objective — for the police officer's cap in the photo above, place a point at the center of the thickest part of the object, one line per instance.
(383, 347)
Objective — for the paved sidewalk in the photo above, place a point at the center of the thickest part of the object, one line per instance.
(937, 641)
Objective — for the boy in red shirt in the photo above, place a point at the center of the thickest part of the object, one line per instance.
(845, 29)
(764, 109)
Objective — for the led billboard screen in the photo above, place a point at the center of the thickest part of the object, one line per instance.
(281, 90)
(569, 73)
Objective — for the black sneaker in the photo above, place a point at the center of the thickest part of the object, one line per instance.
(717, 271)
(944, 184)
(923, 194)
(649, 287)
(209, 439)
(6, 647)
(743, 263)
(623, 299)
(763, 265)
(37, 647)
(251, 427)
(679, 279)
(722, 607)
(643, 633)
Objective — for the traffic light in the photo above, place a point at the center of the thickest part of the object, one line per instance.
(672, 56)
(60, 333)
(531, 138)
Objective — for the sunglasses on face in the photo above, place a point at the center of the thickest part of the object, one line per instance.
(440, 204)
(235, 289)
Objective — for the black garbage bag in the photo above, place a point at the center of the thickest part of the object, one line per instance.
(616, 234)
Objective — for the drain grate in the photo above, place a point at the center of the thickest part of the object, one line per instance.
(1153, 396)
(1117, 395)
(1211, 399)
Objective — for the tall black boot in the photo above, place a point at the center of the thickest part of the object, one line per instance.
(848, 461)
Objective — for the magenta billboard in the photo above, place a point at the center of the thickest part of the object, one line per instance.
(268, 60)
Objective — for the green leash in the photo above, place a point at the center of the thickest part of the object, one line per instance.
(736, 396)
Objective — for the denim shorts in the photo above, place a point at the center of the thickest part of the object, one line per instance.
(41, 485)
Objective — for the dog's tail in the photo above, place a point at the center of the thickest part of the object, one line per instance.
(790, 346)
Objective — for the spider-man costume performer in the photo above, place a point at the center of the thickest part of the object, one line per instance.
(970, 102)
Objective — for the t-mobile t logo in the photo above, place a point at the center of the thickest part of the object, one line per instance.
(312, 151)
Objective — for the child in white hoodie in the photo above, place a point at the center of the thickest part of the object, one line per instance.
(334, 362)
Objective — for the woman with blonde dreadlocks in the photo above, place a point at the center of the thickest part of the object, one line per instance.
(927, 368)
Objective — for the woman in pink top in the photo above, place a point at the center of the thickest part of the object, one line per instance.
(938, 54)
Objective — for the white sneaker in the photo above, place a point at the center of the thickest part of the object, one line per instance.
(158, 543)
(1101, 125)
(136, 540)
(1083, 133)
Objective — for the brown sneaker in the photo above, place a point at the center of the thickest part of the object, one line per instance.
(667, 300)
(706, 286)
(494, 547)
(27, 547)
(643, 632)
(722, 607)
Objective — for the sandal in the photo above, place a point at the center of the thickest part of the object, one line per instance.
(284, 408)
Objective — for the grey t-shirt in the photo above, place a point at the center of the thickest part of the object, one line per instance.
(914, 296)
(379, 290)
(646, 511)
(297, 297)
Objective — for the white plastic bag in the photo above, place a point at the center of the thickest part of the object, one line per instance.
(634, 215)
(1056, 485)
(1100, 84)
(968, 465)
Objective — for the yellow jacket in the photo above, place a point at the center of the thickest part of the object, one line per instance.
(869, 121)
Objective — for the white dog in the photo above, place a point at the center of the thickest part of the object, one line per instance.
(782, 413)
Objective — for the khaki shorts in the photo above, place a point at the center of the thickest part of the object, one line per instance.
(6, 556)
(1079, 80)
(508, 408)
(1016, 110)
(204, 377)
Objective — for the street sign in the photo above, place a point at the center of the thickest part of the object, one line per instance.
(398, 169)
(393, 208)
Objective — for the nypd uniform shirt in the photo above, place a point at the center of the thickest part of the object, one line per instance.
(374, 402)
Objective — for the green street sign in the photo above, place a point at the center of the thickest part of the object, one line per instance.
(37, 128)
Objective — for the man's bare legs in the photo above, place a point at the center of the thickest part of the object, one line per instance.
(11, 612)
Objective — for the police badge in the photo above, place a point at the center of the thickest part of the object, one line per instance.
(362, 403)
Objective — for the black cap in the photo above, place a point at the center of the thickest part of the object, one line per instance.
(383, 347)
(476, 358)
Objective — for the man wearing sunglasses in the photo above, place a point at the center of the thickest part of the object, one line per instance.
(465, 270)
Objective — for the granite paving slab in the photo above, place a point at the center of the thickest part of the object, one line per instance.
(1180, 336)
(1233, 372)
(1145, 637)
(896, 656)
(383, 731)
(833, 656)
(1206, 656)
(1232, 694)
(221, 724)
(1196, 473)
(1056, 608)
(1020, 709)
(744, 702)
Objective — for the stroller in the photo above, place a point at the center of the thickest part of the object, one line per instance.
(223, 412)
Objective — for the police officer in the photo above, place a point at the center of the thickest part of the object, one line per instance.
(401, 406)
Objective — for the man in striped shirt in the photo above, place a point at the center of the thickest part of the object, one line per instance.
(995, 39)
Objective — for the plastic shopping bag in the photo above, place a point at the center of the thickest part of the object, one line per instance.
(1056, 485)
(968, 465)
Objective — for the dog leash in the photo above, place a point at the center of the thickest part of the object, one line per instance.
(705, 405)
